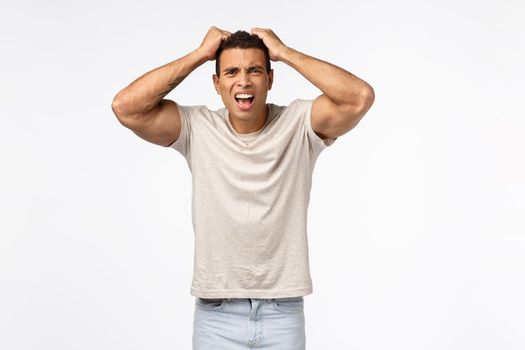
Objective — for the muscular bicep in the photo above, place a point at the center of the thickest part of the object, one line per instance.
(160, 126)
(330, 120)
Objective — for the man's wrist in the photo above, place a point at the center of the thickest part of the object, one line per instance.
(200, 56)
(286, 54)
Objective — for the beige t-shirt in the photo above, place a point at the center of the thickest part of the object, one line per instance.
(250, 195)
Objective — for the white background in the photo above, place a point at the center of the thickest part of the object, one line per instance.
(416, 225)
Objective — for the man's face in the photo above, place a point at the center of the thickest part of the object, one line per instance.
(243, 82)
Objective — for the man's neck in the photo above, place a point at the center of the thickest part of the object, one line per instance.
(250, 126)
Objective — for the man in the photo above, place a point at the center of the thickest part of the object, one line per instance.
(251, 165)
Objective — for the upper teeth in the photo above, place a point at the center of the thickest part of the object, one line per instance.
(243, 96)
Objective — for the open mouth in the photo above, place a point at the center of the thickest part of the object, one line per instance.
(244, 101)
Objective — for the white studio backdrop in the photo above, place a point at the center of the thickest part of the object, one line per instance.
(416, 225)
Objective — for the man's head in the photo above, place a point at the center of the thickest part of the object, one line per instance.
(242, 40)
(243, 77)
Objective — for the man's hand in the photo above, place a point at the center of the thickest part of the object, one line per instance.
(273, 43)
(212, 41)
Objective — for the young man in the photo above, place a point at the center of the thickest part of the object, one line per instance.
(251, 165)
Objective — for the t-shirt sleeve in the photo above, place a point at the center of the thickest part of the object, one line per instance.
(182, 144)
(317, 144)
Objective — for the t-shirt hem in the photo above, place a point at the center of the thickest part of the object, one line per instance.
(323, 143)
(177, 143)
(252, 293)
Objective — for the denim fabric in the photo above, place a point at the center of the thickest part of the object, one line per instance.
(242, 323)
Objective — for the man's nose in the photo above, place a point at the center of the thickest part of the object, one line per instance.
(244, 79)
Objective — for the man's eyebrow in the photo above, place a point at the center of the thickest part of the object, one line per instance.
(234, 69)
(230, 69)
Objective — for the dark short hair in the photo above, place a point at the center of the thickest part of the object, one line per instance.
(242, 40)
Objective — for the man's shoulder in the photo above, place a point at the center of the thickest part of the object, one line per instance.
(292, 114)
(201, 111)
(297, 105)
(198, 108)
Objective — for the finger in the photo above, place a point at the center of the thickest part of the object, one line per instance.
(260, 34)
(224, 34)
(221, 31)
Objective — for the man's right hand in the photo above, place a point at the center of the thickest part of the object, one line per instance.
(212, 41)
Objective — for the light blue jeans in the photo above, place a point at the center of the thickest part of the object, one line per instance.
(242, 323)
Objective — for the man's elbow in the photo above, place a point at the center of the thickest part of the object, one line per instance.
(118, 106)
(360, 102)
(367, 100)
(355, 112)
(368, 97)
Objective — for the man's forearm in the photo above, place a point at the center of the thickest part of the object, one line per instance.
(143, 94)
(339, 85)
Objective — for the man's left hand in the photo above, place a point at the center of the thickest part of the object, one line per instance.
(275, 46)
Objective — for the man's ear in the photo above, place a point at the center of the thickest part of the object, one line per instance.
(270, 79)
(216, 83)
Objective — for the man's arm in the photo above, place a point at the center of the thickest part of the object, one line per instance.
(345, 98)
(141, 106)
